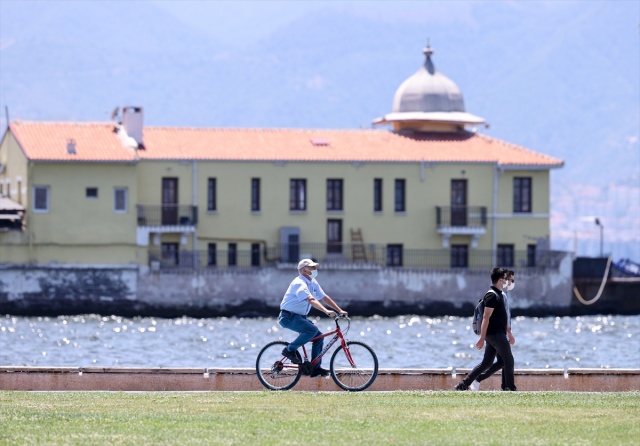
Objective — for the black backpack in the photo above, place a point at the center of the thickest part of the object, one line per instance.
(478, 312)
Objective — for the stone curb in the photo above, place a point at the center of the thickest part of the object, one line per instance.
(244, 379)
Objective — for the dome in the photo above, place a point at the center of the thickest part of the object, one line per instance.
(428, 100)
(428, 90)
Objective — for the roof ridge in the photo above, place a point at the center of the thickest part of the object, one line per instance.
(263, 129)
(65, 123)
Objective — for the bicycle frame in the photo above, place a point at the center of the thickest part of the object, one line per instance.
(338, 334)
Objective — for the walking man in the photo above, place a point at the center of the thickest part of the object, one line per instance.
(510, 284)
(493, 331)
(303, 293)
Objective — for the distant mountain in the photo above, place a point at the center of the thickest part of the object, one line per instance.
(561, 78)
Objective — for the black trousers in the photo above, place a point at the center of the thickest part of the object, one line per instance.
(491, 370)
(496, 344)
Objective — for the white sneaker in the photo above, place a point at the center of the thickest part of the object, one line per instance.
(474, 386)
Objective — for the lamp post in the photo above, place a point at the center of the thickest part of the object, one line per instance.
(597, 221)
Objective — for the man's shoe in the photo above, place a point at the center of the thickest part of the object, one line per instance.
(474, 385)
(294, 357)
(508, 389)
(461, 386)
(319, 371)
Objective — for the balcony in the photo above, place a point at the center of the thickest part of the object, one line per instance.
(154, 220)
(154, 215)
(461, 220)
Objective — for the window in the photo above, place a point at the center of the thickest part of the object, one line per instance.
(298, 195)
(334, 195)
(212, 256)
(531, 255)
(255, 194)
(400, 196)
(394, 255)
(522, 194)
(459, 256)
(120, 201)
(505, 255)
(255, 254)
(232, 254)
(211, 195)
(91, 192)
(41, 200)
(377, 195)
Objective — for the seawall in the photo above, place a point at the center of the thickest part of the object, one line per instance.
(51, 290)
(202, 379)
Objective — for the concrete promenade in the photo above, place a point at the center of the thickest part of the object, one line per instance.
(244, 379)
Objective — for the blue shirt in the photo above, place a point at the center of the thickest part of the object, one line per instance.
(300, 289)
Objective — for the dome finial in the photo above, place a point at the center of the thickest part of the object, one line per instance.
(427, 49)
(428, 64)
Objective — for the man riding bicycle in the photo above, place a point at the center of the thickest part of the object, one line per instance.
(303, 293)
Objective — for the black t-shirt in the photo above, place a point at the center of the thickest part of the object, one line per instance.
(498, 320)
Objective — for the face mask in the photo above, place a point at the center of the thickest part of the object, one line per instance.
(511, 286)
(314, 273)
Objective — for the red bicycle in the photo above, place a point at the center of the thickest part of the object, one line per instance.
(353, 366)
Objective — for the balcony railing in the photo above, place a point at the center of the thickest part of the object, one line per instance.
(377, 256)
(461, 216)
(167, 215)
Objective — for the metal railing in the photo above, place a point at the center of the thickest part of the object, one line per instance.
(167, 215)
(377, 256)
(461, 216)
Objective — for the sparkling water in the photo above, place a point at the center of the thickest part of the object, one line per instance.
(400, 342)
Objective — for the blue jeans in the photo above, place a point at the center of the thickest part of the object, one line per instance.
(496, 344)
(307, 330)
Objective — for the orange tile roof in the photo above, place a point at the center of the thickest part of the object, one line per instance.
(94, 141)
(99, 142)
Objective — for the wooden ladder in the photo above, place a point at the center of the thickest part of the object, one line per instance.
(357, 246)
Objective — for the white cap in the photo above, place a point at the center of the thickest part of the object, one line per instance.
(306, 262)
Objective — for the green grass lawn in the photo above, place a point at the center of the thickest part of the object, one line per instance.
(331, 418)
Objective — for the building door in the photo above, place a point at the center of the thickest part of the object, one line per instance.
(292, 247)
(170, 254)
(458, 202)
(334, 236)
(169, 201)
(459, 256)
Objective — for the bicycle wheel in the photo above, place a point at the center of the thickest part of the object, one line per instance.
(274, 371)
(355, 368)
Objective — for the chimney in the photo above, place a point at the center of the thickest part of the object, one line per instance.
(132, 120)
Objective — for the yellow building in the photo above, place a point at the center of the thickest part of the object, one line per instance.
(430, 193)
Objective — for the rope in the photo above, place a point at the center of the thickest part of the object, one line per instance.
(604, 281)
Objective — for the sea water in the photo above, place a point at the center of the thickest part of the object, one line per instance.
(601, 341)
